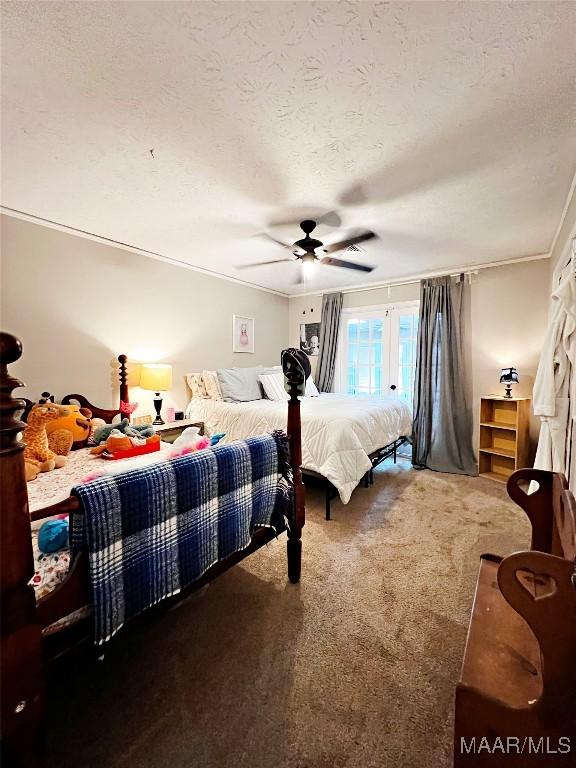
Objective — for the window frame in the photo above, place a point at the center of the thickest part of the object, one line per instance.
(390, 336)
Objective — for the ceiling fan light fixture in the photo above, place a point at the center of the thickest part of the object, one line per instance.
(308, 265)
(305, 249)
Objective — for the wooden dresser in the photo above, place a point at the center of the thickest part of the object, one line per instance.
(504, 436)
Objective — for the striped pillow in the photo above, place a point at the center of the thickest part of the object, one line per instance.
(273, 384)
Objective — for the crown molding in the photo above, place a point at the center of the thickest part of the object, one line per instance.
(468, 269)
(133, 249)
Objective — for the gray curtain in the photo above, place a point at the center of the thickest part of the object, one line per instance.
(328, 343)
(442, 427)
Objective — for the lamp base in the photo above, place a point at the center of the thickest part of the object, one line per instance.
(508, 392)
(158, 406)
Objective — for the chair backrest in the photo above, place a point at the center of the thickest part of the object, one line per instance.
(533, 490)
(564, 530)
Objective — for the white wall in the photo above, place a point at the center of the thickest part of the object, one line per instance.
(76, 304)
(509, 307)
(509, 316)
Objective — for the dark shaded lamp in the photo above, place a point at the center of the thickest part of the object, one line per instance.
(157, 378)
(509, 376)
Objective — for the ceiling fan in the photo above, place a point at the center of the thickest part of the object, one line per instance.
(304, 250)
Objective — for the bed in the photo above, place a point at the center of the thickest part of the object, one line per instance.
(343, 437)
(24, 615)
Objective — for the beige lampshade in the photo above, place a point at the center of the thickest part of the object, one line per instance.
(156, 377)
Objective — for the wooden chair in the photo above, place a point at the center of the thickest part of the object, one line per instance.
(516, 698)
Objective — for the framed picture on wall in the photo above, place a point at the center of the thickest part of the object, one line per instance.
(242, 334)
(309, 338)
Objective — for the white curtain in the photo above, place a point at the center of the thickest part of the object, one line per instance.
(554, 397)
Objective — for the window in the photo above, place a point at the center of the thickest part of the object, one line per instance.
(404, 341)
(378, 351)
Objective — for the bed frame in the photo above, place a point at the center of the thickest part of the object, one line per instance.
(376, 458)
(22, 617)
(108, 414)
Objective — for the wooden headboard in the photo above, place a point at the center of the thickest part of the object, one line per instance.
(107, 414)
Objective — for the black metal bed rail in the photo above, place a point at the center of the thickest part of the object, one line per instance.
(376, 458)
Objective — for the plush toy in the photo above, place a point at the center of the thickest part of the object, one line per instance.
(76, 422)
(188, 436)
(95, 425)
(189, 442)
(53, 535)
(31, 470)
(37, 451)
(103, 432)
(118, 441)
(215, 439)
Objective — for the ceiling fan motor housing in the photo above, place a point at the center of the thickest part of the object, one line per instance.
(309, 245)
(307, 226)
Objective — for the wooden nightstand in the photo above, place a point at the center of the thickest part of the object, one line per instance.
(504, 436)
(171, 430)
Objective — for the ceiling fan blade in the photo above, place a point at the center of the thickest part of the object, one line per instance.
(330, 219)
(343, 244)
(296, 215)
(262, 263)
(274, 240)
(331, 262)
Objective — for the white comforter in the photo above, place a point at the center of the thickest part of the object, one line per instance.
(338, 431)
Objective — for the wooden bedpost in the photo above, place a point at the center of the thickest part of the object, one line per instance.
(123, 375)
(108, 414)
(296, 382)
(22, 671)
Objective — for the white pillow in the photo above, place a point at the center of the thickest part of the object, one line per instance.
(311, 388)
(239, 385)
(273, 384)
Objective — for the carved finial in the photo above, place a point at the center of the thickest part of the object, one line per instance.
(122, 360)
(10, 351)
(296, 367)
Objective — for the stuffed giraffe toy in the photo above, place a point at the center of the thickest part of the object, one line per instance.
(38, 456)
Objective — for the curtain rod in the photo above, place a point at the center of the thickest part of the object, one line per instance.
(414, 281)
(468, 271)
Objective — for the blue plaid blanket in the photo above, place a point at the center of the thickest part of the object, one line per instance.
(151, 532)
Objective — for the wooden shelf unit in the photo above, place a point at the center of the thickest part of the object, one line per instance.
(504, 436)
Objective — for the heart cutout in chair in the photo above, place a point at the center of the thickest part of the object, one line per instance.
(538, 585)
(527, 487)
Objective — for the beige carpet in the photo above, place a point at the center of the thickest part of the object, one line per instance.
(354, 667)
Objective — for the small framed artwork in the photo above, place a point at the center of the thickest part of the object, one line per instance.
(242, 334)
(310, 338)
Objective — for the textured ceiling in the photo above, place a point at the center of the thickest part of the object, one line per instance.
(448, 128)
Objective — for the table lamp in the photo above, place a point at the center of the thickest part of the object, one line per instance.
(157, 378)
(508, 376)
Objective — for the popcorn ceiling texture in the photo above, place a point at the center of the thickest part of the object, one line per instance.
(185, 128)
